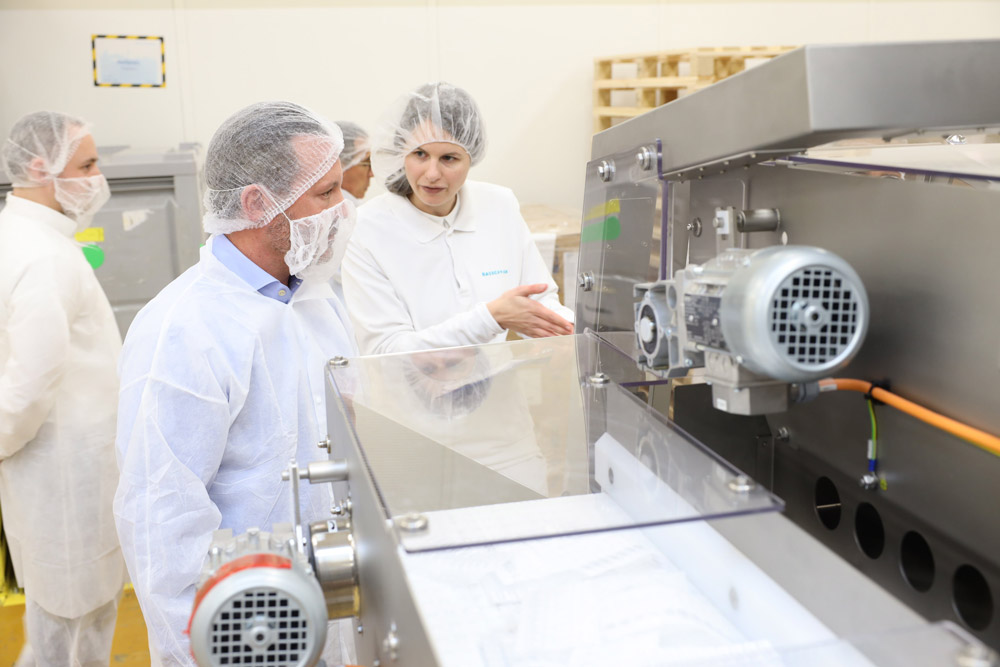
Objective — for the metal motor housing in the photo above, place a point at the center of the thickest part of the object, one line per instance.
(258, 603)
(755, 320)
(794, 313)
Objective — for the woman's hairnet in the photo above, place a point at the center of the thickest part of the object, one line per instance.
(357, 144)
(39, 146)
(434, 112)
(280, 147)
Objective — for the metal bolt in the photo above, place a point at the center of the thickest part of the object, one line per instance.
(783, 435)
(977, 655)
(338, 362)
(688, 363)
(361, 629)
(644, 158)
(390, 644)
(585, 281)
(868, 481)
(324, 444)
(598, 379)
(956, 139)
(695, 227)
(343, 508)
(412, 522)
(741, 484)
(606, 170)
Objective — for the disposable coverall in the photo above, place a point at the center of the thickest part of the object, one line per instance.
(59, 346)
(414, 282)
(221, 387)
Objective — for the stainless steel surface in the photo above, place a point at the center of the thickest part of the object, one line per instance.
(922, 243)
(818, 94)
(385, 596)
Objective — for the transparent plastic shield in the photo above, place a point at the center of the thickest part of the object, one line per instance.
(522, 440)
(968, 162)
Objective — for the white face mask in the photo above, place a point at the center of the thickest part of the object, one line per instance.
(317, 247)
(82, 197)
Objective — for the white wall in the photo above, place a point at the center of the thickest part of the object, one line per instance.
(529, 64)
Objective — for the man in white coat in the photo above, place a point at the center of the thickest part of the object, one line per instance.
(59, 345)
(222, 372)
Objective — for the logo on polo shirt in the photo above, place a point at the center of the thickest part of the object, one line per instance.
(495, 272)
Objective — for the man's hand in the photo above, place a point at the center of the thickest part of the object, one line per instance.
(515, 310)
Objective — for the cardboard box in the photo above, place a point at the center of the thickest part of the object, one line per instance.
(556, 231)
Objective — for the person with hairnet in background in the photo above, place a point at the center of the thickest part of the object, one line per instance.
(222, 372)
(439, 261)
(357, 163)
(59, 346)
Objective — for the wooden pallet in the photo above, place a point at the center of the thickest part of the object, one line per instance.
(664, 76)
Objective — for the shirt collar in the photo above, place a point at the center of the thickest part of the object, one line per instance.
(250, 273)
(427, 227)
(41, 213)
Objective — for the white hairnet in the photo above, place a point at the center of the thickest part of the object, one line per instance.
(39, 146)
(357, 143)
(280, 147)
(434, 112)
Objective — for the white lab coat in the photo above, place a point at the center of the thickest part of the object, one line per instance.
(413, 284)
(221, 388)
(59, 346)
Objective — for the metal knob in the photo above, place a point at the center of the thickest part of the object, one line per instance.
(585, 281)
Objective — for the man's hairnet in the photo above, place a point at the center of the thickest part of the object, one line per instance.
(434, 112)
(39, 146)
(280, 147)
(357, 144)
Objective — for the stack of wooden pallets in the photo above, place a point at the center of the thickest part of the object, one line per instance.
(664, 76)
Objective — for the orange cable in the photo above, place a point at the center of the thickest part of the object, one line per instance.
(990, 443)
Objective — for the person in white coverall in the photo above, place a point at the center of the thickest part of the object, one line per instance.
(59, 347)
(222, 372)
(439, 261)
(357, 163)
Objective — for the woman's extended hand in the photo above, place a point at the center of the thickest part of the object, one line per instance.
(517, 311)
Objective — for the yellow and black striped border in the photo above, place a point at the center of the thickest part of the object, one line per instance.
(163, 62)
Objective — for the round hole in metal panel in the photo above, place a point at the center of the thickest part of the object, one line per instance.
(916, 561)
(972, 597)
(869, 531)
(827, 503)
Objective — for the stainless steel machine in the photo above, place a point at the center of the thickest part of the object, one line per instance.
(150, 230)
(687, 480)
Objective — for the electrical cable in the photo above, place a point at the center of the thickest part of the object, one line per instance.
(873, 443)
(981, 439)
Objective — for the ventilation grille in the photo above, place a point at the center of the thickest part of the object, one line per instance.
(260, 626)
(814, 316)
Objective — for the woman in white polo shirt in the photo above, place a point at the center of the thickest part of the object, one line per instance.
(439, 261)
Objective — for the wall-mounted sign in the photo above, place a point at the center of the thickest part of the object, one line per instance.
(128, 61)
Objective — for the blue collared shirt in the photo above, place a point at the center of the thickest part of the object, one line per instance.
(253, 275)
